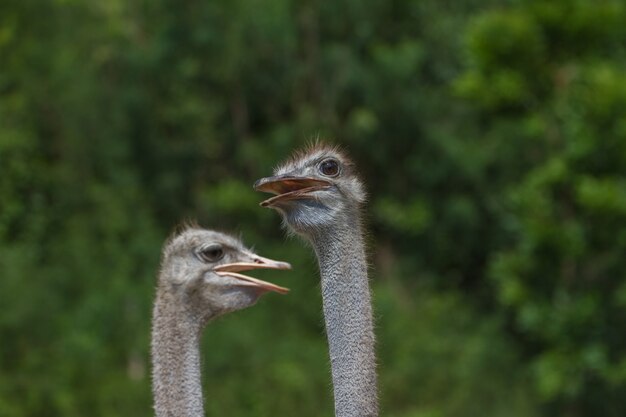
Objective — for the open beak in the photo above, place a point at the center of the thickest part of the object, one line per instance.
(289, 187)
(232, 270)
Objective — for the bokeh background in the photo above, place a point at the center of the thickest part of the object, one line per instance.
(491, 136)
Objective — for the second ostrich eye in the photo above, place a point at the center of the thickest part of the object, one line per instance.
(212, 253)
(329, 168)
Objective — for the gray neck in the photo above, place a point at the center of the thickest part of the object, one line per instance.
(348, 315)
(176, 380)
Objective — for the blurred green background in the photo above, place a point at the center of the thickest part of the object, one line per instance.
(491, 136)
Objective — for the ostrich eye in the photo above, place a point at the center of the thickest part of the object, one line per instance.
(329, 168)
(211, 254)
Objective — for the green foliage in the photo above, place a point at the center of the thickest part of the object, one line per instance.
(559, 271)
(492, 138)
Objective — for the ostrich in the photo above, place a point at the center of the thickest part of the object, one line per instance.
(199, 280)
(319, 197)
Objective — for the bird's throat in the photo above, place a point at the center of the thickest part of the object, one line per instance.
(348, 317)
(176, 377)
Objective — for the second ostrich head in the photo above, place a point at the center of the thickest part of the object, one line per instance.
(315, 189)
(319, 197)
(201, 268)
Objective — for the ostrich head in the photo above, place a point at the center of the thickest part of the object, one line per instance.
(317, 188)
(201, 270)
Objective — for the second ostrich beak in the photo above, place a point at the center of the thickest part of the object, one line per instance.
(232, 270)
(289, 187)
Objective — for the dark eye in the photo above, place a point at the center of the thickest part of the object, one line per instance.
(329, 168)
(211, 254)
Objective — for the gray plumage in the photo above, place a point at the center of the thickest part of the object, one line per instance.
(198, 282)
(320, 196)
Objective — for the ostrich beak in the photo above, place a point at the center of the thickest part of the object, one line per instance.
(258, 262)
(289, 187)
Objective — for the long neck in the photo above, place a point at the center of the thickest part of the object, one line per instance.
(348, 316)
(176, 379)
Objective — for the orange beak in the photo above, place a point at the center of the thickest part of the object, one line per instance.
(288, 187)
(232, 270)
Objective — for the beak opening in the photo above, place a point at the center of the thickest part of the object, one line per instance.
(232, 270)
(288, 187)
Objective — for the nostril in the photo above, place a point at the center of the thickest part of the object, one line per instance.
(257, 261)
